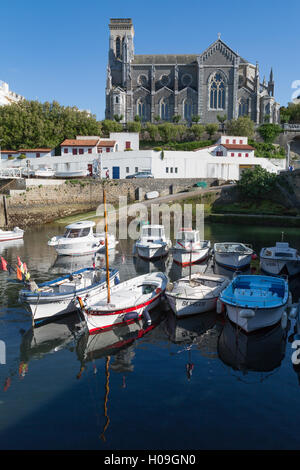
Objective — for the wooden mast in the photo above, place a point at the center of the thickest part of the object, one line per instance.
(106, 248)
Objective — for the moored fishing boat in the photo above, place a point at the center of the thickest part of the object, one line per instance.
(254, 301)
(153, 243)
(195, 294)
(280, 259)
(57, 297)
(127, 302)
(233, 255)
(189, 249)
(15, 234)
(79, 239)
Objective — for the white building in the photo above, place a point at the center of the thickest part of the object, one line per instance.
(7, 96)
(29, 153)
(226, 160)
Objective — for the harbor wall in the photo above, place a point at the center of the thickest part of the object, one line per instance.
(31, 205)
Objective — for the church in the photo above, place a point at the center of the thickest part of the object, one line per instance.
(216, 82)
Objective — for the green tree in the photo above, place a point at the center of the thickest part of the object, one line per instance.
(31, 124)
(242, 126)
(134, 126)
(196, 118)
(256, 184)
(211, 129)
(111, 126)
(269, 132)
(118, 117)
(222, 120)
(197, 131)
(176, 118)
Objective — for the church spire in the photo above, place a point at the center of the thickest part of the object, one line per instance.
(271, 84)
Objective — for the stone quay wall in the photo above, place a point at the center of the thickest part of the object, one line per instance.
(33, 205)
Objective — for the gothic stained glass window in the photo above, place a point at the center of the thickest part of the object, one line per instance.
(217, 92)
(141, 109)
(187, 110)
(164, 110)
(118, 47)
(243, 107)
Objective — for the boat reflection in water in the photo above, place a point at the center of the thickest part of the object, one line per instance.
(260, 351)
(7, 244)
(51, 337)
(67, 264)
(118, 342)
(229, 272)
(143, 266)
(178, 271)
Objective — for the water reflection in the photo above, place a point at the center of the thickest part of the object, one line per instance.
(118, 342)
(9, 245)
(51, 337)
(260, 351)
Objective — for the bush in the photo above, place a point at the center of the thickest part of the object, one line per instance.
(269, 132)
(22, 156)
(256, 183)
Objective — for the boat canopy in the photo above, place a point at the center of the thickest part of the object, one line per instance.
(188, 235)
(155, 231)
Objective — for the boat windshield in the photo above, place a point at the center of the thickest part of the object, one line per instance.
(77, 232)
(154, 232)
(283, 254)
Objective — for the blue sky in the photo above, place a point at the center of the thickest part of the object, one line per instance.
(57, 50)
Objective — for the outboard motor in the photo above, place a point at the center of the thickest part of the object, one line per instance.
(147, 317)
(131, 316)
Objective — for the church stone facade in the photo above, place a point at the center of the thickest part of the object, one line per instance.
(215, 82)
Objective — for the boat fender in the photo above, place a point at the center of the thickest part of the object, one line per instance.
(293, 312)
(81, 303)
(147, 317)
(131, 316)
(220, 306)
(247, 313)
(284, 319)
(158, 290)
(254, 256)
(117, 280)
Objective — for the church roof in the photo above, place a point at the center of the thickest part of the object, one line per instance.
(161, 59)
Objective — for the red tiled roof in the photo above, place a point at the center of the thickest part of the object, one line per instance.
(9, 151)
(79, 143)
(34, 150)
(237, 146)
(106, 143)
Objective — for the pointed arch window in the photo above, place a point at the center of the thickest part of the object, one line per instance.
(164, 110)
(118, 47)
(141, 109)
(243, 107)
(217, 91)
(187, 109)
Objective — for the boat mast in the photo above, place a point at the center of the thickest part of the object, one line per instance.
(106, 248)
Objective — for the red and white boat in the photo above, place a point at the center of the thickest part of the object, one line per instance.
(128, 302)
(189, 249)
(14, 234)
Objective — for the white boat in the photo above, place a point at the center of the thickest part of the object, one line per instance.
(72, 174)
(189, 249)
(128, 302)
(57, 297)
(44, 172)
(254, 302)
(79, 239)
(14, 234)
(280, 259)
(233, 255)
(152, 243)
(195, 294)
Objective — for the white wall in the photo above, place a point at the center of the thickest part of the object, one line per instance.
(122, 137)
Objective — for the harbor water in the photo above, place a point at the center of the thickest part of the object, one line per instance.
(189, 384)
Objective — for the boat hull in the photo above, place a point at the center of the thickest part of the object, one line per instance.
(233, 260)
(185, 258)
(100, 321)
(276, 267)
(185, 307)
(77, 249)
(152, 252)
(262, 318)
(43, 307)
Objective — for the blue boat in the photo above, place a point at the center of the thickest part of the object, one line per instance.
(255, 302)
